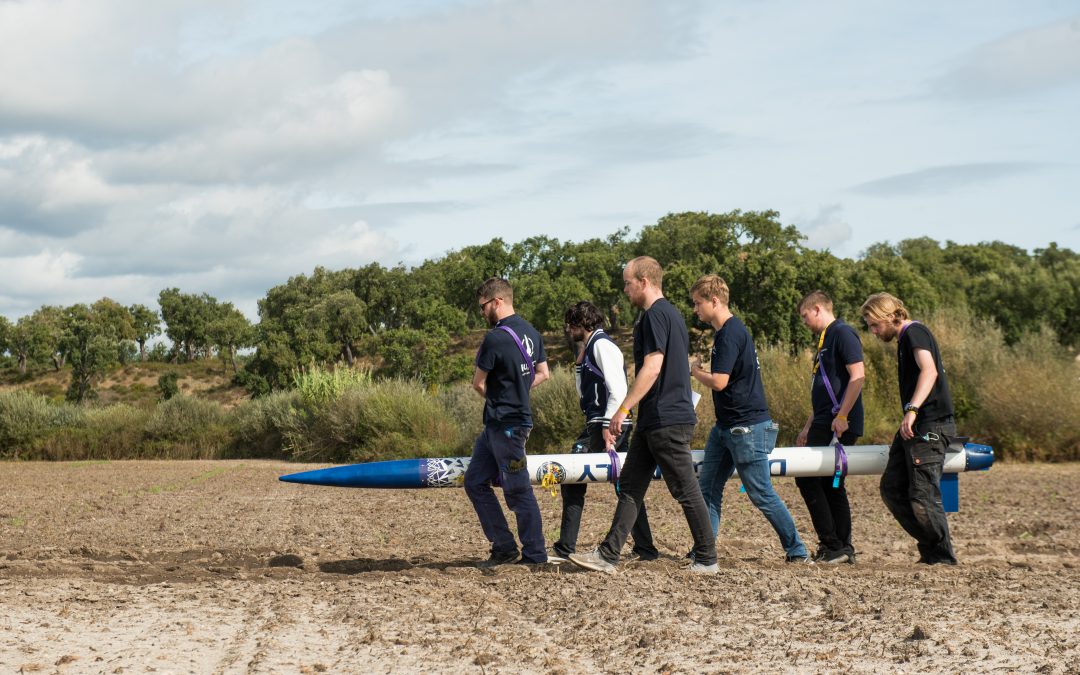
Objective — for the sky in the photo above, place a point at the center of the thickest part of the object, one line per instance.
(224, 146)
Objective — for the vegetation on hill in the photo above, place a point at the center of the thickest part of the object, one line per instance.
(1008, 320)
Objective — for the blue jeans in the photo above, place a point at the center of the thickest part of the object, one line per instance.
(499, 455)
(746, 450)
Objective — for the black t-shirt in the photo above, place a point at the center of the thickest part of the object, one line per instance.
(938, 405)
(840, 349)
(661, 329)
(742, 401)
(508, 379)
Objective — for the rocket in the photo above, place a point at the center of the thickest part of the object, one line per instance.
(550, 470)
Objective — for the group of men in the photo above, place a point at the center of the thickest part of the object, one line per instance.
(511, 361)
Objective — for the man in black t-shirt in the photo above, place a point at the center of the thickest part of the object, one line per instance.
(665, 423)
(744, 433)
(836, 412)
(911, 483)
(510, 362)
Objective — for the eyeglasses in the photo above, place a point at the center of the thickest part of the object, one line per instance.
(486, 302)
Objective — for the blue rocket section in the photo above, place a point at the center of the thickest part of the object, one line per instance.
(397, 474)
(950, 492)
(978, 457)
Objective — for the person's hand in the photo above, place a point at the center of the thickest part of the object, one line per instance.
(609, 438)
(802, 437)
(840, 425)
(695, 362)
(616, 423)
(907, 430)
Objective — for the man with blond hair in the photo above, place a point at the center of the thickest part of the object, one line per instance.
(744, 433)
(665, 423)
(911, 483)
(836, 412)
(510, 362)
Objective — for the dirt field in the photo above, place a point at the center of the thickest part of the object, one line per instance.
(122, 567)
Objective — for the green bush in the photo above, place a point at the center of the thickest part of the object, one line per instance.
(557, 416)
(186, 427)
(25, 418)
(461, 405)
(167, 385)
(268, 426)
(108, 432)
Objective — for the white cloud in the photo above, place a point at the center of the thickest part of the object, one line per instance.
(1044, 57)
(828, 229)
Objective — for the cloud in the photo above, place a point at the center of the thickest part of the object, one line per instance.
(940, 179)
(1035, 59)
(826, 230)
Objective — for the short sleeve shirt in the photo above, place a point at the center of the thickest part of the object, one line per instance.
(840, 349)
(508, 375)
(661, 329)
(742, 401)
(938, 405)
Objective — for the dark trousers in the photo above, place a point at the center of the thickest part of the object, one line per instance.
(828, 506)
(911, 489)
(573, 499)
(669, 449)
(499, 454)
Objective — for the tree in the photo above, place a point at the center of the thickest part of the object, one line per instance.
(344, 318)
(230, 331)
(5, 333)
(187, 317)
(146, 324)
(33, 340)
(90, 342)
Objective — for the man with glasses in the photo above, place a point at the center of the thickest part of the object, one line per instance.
(510, 362)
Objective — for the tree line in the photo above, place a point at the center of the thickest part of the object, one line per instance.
(407, 319)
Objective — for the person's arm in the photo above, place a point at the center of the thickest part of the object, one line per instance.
(643, 382)
(856, 375)
(805, 433)
(923, 386)
(542, 373)
(714, 381)
(609, 359)
(479, 382)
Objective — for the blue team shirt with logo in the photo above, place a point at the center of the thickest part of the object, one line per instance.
(508, 377)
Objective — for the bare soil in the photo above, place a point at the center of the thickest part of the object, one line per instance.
(215, 566)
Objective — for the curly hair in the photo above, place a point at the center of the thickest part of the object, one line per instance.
(585, 315)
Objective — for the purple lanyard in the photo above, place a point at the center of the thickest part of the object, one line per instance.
(840, 456)
(524, 352)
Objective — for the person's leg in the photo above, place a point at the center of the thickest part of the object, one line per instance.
(508, 446)
(839, 505)
(573, 502)
(637, 474)
(751, 453)
(928, 459)
(895, 490)
(482, 470)
(641, 533)
(671, 450)
(716, 469)
(814, 491)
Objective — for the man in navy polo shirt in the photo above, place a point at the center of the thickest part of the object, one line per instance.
(744, 434)
(665, 423)
(836, 411)
(511, 361)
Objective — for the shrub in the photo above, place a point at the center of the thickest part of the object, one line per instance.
(24, 419)
(317, 385)
(268, 426)
(557, 416)
(167, 385)
(186, 427)
(464, 408)
(108, 432)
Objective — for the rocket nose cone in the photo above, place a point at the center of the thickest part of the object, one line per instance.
(978, 457)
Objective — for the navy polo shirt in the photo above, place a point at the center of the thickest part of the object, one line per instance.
(742, 402)
(508, 378)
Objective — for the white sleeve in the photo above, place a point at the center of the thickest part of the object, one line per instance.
(609, 359)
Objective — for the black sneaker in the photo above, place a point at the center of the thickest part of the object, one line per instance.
(497, 559)
(833, 557)
(640, 557)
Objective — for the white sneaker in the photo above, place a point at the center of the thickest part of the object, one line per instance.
(555, 559)
(592, 561)
(698, 568)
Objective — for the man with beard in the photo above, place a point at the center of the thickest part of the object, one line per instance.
(600, 376)
(511, 361)
(911, 483)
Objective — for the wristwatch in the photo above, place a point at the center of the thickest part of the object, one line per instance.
(911, 407)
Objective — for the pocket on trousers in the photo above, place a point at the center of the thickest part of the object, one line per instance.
(924, 453)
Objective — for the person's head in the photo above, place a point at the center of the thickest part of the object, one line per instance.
(710, 297)
(884, 314)
(816, 311)
(643, 281)
(496, 298)
(582, 318)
